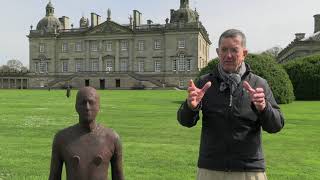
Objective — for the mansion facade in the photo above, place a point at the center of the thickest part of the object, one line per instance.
(302, 45)
(106, 54)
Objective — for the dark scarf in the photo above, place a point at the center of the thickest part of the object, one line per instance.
(231, 80)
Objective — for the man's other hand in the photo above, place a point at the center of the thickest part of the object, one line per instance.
(195, 94)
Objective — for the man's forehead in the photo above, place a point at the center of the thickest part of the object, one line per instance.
(87, 93)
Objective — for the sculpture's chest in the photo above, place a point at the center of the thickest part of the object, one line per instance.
(89, 149)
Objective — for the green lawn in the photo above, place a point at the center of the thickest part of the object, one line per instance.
(155, 146)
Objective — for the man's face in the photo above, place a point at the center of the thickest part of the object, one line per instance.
(231, 53)
(87, 105)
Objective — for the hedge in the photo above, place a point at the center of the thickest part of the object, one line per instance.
(304, 73)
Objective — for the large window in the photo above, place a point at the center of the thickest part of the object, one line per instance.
(181, 62)
(64, 66)
(41, 48)
(64, 47)
(124, 45)
(123, 65)
(79, 65)
(157, 44)
(94, 46)
(141, 66)
(109, 65)
(78, 46)
(157, 66)
(140, 45)
(43, 67)
(36, 67)
(108, 46)
(94, 65)
(181, 44)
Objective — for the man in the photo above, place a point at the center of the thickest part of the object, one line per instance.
(68, 94)
(235, 104)
(86, 148)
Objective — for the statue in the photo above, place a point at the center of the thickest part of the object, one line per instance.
(87, 147)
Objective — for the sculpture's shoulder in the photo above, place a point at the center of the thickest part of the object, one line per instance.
(109, 133)
(66, 133)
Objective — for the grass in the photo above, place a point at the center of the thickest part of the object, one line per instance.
(155, 146)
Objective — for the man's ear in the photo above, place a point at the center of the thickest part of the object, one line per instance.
(217, 50)
(245, 52)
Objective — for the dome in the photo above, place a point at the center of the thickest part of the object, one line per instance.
(49, 23)
(185, 15)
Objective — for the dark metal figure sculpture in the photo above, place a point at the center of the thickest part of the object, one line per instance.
(86, 148)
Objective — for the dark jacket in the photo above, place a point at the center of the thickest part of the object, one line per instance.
(231, 135)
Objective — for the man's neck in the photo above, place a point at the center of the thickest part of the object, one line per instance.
(89, 126)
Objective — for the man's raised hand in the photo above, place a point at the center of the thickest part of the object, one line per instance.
(257, 96)
(195, 94)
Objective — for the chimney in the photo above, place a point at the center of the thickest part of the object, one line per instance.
(136, 18)
(316, 23)
(300, 36)
(95, 19)
(64, 20)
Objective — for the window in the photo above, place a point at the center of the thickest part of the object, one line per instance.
(140, 45)
(64, 66)
(123, 65)
(181, 62)
(94, 65)
(181, 44)
(79, 65)
(174, 65)
(78, 46)
(157, 44)
(64, 47)
(41, 48)
(109, 66)
(157, 66)
(94, 46)
(188, 65)
(43, 67)
(124, 45)
(108, 46)
(36, 67)
(141, 66)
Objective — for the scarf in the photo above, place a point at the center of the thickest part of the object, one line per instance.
(231, 80)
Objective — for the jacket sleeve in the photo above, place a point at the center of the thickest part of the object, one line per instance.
(271, 117)
(186, 116)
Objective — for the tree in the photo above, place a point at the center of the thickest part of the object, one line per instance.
(15, 64)
(273, 52)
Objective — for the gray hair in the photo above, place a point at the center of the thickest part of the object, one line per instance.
(231, 33)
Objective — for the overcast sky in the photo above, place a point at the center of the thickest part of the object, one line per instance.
(266, 23)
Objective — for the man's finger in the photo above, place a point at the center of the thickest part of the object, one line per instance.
(206, 87)
(191, 83)
(247, 86)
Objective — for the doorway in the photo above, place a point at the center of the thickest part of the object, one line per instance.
(117, 83)
(87, 82)
(102, 83)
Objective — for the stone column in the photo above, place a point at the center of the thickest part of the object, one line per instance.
(116, 58)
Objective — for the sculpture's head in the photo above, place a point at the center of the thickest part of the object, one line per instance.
(87, 104)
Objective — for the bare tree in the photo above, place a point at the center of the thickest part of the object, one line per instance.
(15, 64)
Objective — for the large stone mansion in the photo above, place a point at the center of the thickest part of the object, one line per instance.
(302, 45)
(106, 54)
